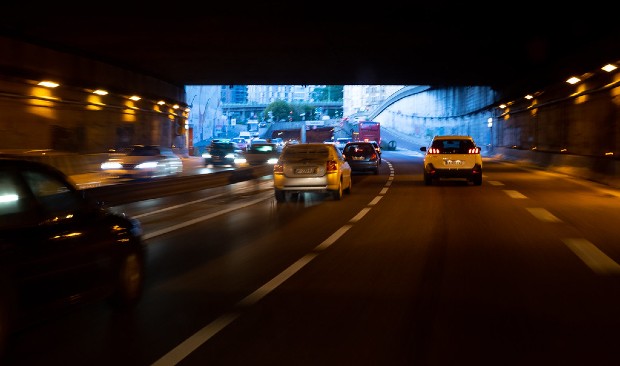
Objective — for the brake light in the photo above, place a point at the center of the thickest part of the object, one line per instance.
(475, 150)
(433, 150)
(332, 166)
(278, 168)
(373, 156)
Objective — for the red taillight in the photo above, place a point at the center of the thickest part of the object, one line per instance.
(475, 150)
(278, 168)
(332, 166)
(433, 150)
(373, 156)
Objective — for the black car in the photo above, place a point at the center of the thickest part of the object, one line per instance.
(59, 249)
(221, 152)
(362, 156)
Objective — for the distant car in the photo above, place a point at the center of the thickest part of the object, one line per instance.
(59, 249)
(311, 167)
(452, 156)
(279, 142)
(378, 148)
(240, 143)
(262, 153)
(341, 141)
(222, 153)
(143, 161)
(362, 156)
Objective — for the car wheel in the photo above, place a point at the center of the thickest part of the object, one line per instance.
(477, 180)
(130, 281)
(349, 188)
(337, 194)
(280, 196)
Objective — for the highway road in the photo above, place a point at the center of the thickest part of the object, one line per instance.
(522, 270)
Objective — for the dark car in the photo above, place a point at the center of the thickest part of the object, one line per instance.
(59, 249)
(262, 153)
(362, 156)
(221, 152)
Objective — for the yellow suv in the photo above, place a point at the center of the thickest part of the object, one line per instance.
(452, 156)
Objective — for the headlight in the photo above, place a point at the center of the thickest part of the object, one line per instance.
(272, 161)
(230, 156)
(111, 165)
(206, 155)
(240, 161)
(147, 165)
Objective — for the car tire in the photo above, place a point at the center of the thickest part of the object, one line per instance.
(129, 281)
(280, 196)
(477, 180)
(337, 194)
(348, 190)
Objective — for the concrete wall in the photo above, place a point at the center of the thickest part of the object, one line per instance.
(70, 117)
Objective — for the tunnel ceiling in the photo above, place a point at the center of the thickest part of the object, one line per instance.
(512, 50)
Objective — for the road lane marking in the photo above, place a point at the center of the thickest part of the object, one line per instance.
(265, 289)
(188, 346)
(153, 234)
(593, 257)
(178, 206)
(375, 201)
(332, 238)
(514, 194)
(495, 183)
(361, 214)
(542, 214)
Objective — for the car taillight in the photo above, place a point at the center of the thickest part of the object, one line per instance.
(278, 168)
(332, 166)
(433, 150)
(475, 150)
(373, 156)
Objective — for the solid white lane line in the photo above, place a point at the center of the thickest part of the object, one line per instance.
(495, 183)
(514, 194)
(203, 218)
(593, 257)
(188, 346)
(361, 214)
(177, 206)
(542, 214)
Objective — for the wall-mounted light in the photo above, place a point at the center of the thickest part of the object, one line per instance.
(161, 102)
(135, 98)
(573, 80)
(609, 67)
(528, 97)
(48, 84)
(176, 106)
(100, 92)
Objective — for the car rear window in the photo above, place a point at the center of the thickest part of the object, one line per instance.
(306, 151)
(453, 146)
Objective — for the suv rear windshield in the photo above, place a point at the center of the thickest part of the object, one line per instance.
(453, 146)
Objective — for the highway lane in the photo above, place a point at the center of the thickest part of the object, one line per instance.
(520, 270)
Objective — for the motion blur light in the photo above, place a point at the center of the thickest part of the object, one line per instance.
(48, 84)
(573, 80)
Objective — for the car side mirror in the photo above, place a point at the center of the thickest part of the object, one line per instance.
(423, 148)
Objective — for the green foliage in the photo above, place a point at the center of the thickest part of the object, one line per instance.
(329, 93)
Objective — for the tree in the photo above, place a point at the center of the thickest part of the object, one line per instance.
(279, 110)
(328, 93)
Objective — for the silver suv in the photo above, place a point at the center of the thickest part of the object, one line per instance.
(452, 156)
